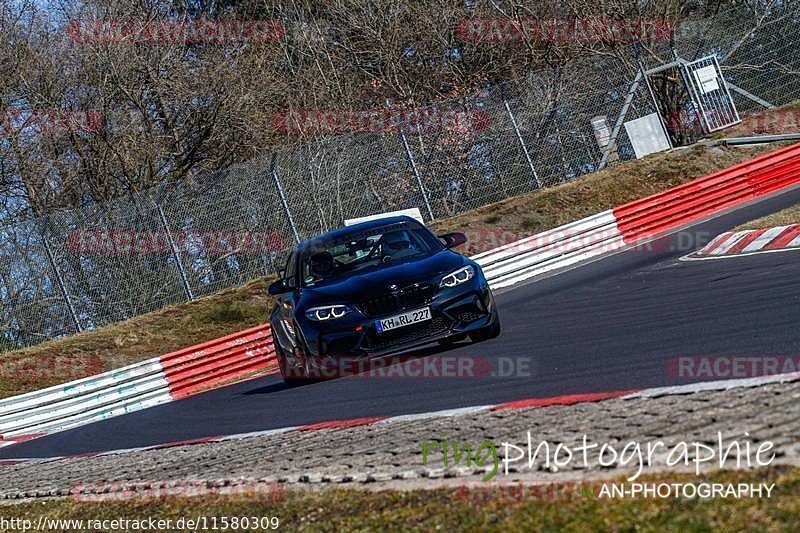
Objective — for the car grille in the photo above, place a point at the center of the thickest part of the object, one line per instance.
(406, 298)
(405, 335)
(340, 346)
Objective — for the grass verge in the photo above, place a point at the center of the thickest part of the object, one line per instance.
(790, 215)
(785, 119)
(451, 510)
(146, 336)
(513, 218)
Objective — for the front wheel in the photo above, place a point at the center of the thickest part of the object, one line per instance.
(489, 332)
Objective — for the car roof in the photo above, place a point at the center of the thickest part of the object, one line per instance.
(355, 228)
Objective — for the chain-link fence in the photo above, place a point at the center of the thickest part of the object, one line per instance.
(83, 268)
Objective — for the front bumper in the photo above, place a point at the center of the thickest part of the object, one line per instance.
(454, 311)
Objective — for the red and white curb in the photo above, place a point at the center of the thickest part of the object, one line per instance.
(179, 374)
(749, 242)
(149, 383)
(565, 400)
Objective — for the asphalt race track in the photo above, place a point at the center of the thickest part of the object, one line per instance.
(610, 325)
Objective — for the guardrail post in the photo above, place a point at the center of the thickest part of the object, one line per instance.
(59, 280)
(520, 140)
(187, 289)
(284, 203)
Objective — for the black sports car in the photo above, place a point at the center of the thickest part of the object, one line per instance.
(375, 289)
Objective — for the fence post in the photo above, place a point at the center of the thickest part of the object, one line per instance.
(654, 101)
(420, 184)
(564, 165)
(520, 140)
(59, 280)
(413, 164)
(620, 119)
(174, 249)
(284, 203)
(11, 308)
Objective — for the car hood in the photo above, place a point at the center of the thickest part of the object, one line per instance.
(374, 282)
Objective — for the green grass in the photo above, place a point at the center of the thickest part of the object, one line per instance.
(448, 509)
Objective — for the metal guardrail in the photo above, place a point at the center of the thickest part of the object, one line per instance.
(710, 194)
(640, 220)
(206, 365)
(551, 250)
(138, 386)
(760, 139)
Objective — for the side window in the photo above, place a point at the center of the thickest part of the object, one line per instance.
(289, 272)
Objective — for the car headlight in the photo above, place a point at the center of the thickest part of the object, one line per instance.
(327, 312)
(462, 275)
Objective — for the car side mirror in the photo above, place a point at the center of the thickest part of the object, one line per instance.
(453, 239)
(278, 287)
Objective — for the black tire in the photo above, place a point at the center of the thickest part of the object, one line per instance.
(489, 332)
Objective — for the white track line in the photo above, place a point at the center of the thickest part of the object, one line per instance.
(463, 411)
(726, 384)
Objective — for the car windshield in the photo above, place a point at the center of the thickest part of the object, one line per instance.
(326, 259)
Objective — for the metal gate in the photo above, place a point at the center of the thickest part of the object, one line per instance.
(709, 94)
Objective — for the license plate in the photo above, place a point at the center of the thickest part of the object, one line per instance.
(405, 319)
